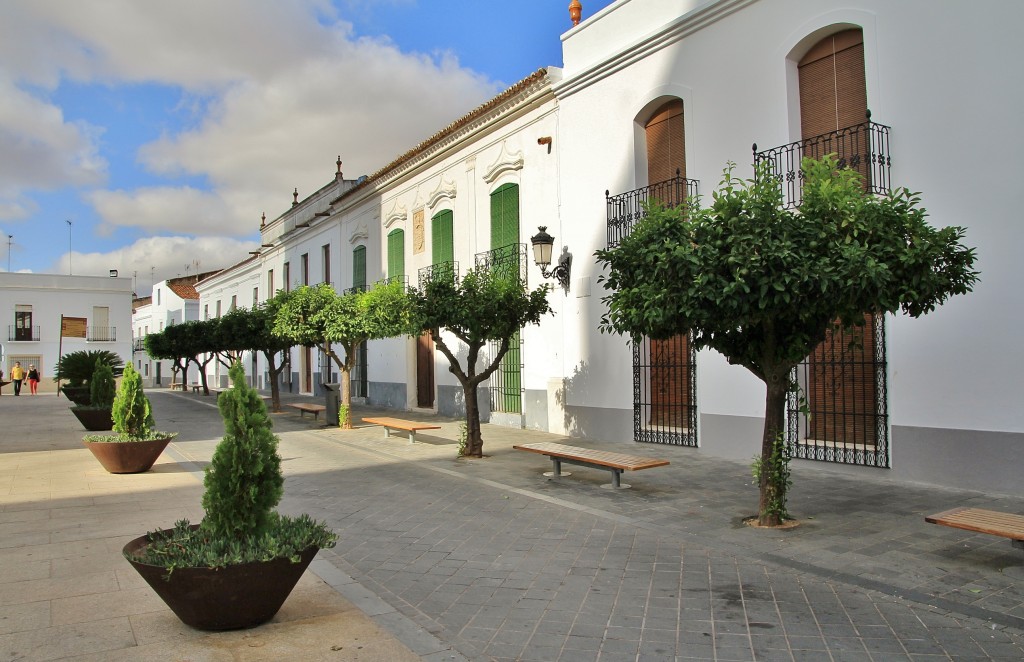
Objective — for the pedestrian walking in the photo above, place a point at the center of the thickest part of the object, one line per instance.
(33, 379)
(17, 376)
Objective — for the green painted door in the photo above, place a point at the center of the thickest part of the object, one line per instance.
(506, 394)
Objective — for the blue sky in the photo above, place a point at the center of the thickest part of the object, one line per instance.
(163, 130)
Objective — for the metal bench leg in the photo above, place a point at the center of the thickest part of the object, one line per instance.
(616, 483)
(556, 472)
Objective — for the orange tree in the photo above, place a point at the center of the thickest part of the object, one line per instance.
(762, 284)
(482, 307)
(317, 316)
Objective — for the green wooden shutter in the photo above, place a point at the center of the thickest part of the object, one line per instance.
(359, 267)
(442, 236)
(505, 216)
(396, 253)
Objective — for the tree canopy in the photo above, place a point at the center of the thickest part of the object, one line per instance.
(482, 307)
(762, 284)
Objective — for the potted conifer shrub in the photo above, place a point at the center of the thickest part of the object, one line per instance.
(136, 445)
(237, 567)
(97, 415)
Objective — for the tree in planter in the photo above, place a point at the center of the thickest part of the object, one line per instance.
(243, 485)
(482, 307)
(76, 368)
(133, 416)
(763, 284)
(318, 316)
(102, 388)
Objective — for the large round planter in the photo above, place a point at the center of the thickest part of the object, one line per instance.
(94, 420)
(80, 395)
(128, 457)
(230, 598)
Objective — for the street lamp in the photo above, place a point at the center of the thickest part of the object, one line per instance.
(542, 245)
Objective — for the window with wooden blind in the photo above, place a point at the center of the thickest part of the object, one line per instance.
(844, 379)
(664, 406)
(505, 384)
(442, 237)
(359, 267)
(396, 253)
(325, 259)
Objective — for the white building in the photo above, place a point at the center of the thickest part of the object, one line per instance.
(172, 301)
(94, 312)
(652, 88)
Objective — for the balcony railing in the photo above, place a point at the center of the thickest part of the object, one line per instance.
(508, 261)
(404, 280)
(23, 334)
(101, 333)
(445, 270)
(625, 210)
(862, 147)
(355, 289)
(139, 345)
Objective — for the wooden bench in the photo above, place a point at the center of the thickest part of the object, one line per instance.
(587, 457)
(303, 407)
(175, 386)
(992, 522)
(390, 424)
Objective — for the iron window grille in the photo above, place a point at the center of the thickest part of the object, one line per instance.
(23, 333)
(101, 333)
(505, 385)
(664, 371)
(862, 147)
(843, 414)
(627, 209)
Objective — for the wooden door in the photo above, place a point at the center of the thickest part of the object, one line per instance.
(425, 370)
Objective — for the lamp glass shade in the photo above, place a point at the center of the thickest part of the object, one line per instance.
(542, 243)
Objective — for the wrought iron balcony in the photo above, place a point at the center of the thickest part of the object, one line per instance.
(101, 334)
(23, 334)
(625, 210)
(139, 345)
(355, 289)
(508, 261)
(441, 270)
(394, 279)
(862, 147)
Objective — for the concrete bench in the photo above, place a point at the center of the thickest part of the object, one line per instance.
(175, 386)
(304, 407)
(196, 386)
(611, 461)
(390, 424)
(992, 522)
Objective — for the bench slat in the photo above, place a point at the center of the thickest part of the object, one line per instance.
(992, 522)
(599, 457)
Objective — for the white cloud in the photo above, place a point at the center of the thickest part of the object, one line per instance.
(183, 210)
(163, 257)
(41, 150)
(283, 89)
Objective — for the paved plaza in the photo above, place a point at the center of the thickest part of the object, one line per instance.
(441, 558)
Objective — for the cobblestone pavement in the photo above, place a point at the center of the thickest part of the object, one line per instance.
(487, 559)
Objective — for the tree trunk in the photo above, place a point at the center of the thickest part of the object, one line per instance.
(274, 372)
(474, 439)
(774, 425)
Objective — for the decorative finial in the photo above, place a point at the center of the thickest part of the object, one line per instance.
(338, 162)
(295, 197)
(263, 220)
(575, 11)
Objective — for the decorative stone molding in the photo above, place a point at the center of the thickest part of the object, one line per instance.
(398, 213)
(506, 162)
(359, 233)
(444, 190)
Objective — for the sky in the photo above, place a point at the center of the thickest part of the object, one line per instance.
(149, 137)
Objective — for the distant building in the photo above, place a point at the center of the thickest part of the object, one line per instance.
(96, 312)
(173, 301)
